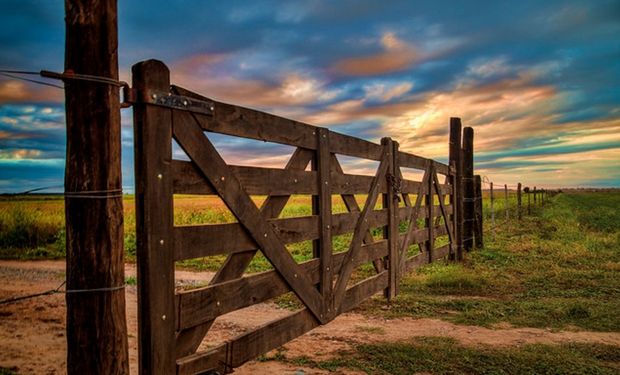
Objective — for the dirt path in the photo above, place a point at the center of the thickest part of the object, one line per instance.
(32, 339)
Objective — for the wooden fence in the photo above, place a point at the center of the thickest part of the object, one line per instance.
(413, 214)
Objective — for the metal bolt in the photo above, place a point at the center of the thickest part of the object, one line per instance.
(161, 242)
(265, 235)
(313, 133)
(154, 96)
(185, 102)
(212, 108)
(328, 268)
(324, 136)
(160, 176)
(328, 226)
(295, 275)
(222, 178)
(217, 303)
(295, 180)
(325, 182)
(163, 317)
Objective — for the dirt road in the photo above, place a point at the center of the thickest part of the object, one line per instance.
(32, 332)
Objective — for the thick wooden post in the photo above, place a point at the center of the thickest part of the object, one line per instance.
(506, 200)
(519, 201)
(456, 198)
(468, 188)
(96, 325)
(478, 232)
(154, 221)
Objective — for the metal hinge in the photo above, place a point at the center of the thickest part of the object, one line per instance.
(168, 100)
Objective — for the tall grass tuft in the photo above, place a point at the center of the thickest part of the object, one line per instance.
(21, 228)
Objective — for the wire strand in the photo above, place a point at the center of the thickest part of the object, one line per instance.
(2, 73)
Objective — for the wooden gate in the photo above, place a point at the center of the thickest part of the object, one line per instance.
(172, 324)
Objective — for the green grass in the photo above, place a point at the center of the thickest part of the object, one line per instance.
(558, 268)
(444, 356)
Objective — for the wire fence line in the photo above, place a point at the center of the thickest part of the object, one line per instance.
(500, 203)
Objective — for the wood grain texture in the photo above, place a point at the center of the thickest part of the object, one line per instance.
(96, 329)
(188, 340)
(206, 158)
(154, 221)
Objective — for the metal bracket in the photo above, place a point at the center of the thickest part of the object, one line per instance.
(180, 102)
(169, 100)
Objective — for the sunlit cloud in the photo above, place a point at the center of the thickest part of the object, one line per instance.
(14, 91)
(397, 55)
(538, 82)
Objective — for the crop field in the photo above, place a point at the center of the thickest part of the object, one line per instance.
(553, 274)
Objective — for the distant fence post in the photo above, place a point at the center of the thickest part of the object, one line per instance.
(492, 211)
(456, 199)
(506, 200)
(529, 209)
(534, 196)
(519, 201)
(468, 187)
(478, 232)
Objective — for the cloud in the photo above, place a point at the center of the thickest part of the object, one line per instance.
(14, 91)
(384, 92)
(214, 76)
(396, 56)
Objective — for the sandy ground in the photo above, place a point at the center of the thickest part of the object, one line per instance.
(32, 332)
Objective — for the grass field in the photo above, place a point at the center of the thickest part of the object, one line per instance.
(557, 269)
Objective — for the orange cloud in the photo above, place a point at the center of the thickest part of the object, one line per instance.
(397, 56)
(204, 74)
(13, 91)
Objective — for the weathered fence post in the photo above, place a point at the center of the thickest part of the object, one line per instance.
(478, 209)
(154, 220)
(506, 200)
(96, 326)
(534, 196)
(468, 187)
(456, 198)
(519, 201)
(529, 209)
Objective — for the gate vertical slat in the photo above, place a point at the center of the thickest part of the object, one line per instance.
(323, 161)
(430, 244)
(392, 232)
(154, 221)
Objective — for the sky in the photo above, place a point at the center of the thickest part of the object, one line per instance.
(539, 81)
